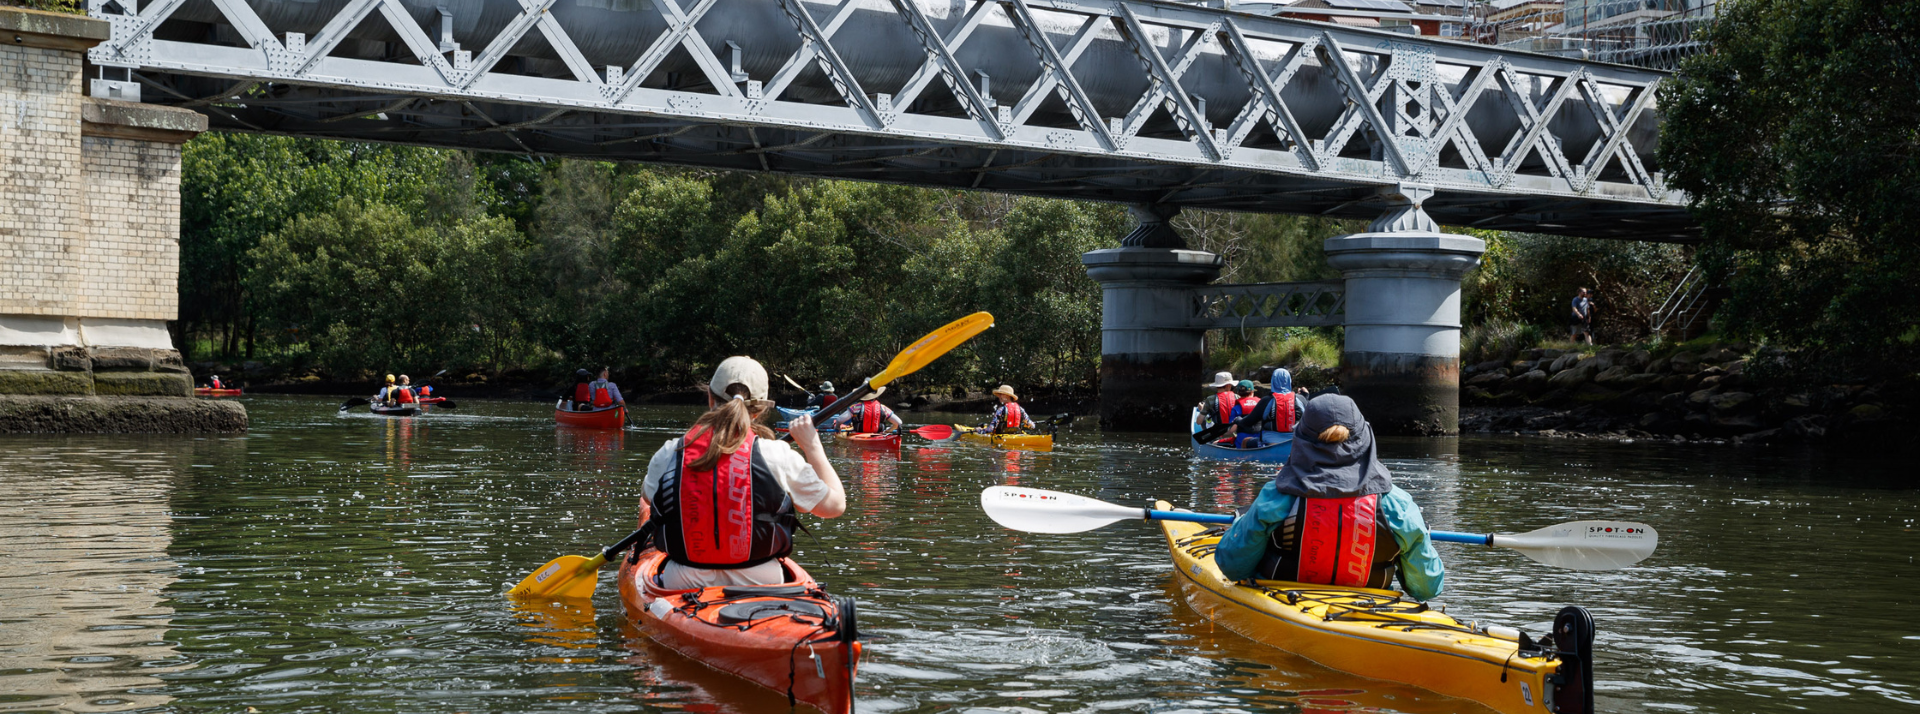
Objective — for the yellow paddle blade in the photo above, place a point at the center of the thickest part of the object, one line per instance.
(927, 349)
(568, 576)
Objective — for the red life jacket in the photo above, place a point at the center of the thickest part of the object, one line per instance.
(1334, 541)
(1245, 406)
(827, 400)
(404, 396)
(1283, 411)
(732, 516)
(215, 383)
(1224, 403)
(1016, 417)
(602, 397)
(872, 417)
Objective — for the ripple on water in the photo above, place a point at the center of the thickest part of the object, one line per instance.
(325, 563)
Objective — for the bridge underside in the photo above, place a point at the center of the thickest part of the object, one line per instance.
(542, 130)
(1132, 101)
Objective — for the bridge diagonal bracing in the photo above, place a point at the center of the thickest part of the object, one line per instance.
(1131, 100)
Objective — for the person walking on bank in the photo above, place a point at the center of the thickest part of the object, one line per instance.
(729, 451)
(869, 416)
(1582, 316)
(1009, 417)
(1332, 516)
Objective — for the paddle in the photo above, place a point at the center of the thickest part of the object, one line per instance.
(354, 402)
(1577, 545)
(936, 432)
(919, 354)
(796, 385)
(576, 576)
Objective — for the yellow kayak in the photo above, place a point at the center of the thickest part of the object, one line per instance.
(1381, 634)
(1038, 442)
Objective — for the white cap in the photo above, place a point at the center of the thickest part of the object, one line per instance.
(1222, 379)
(739, 370)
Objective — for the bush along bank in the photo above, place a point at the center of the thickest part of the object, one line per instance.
(1705, 394)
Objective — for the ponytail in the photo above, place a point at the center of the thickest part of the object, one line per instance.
(730, 422)
(1335, 434)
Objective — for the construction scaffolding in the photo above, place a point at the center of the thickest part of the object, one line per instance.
(1656, 34)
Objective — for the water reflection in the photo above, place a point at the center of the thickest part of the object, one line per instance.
(324, 563)
(83, 574)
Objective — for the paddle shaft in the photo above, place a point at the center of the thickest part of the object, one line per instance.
(1222, 518)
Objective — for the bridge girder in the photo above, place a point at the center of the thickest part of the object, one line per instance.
(1316, 119)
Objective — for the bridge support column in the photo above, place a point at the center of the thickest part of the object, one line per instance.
(1150, 357)
(1402, 354)
(89, 244)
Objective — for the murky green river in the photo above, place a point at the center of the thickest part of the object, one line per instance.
(351, 563)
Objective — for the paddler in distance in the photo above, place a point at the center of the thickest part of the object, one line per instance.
(823, 398)
(869, 416)
(403, 394)
(1332, 516)
(1280, 414)
(603, 392)
(386, 396)
(722, 497)
(1008, 417)
(1218, 409)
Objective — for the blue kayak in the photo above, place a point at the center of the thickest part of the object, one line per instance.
(787, 415)
(1276, 446)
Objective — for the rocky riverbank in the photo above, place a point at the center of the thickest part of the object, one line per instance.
(1706, 394)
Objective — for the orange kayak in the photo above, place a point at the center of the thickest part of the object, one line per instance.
(877, 442)
(211, 392)
(613, 417)
(792, 638)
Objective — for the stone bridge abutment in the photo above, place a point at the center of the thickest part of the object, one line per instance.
(89, 244)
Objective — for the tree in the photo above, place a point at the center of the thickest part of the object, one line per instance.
(1795, 139)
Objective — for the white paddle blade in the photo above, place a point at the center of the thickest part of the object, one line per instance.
(1585, 545)
(1037, 510)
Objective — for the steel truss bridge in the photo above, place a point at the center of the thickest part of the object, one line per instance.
(1131, 101)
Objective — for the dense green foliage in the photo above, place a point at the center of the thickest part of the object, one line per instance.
(351, 260)
(1798, 140)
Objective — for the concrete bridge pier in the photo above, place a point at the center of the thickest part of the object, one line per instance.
(1401, 361)
(1150, 354)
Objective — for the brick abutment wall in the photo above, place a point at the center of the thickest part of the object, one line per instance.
(89, 244)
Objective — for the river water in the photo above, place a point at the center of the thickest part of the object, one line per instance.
(336, 563)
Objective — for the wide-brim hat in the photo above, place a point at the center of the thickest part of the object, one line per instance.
(1221, 379)
(1007, 389)
(826, 387)
(875, 395)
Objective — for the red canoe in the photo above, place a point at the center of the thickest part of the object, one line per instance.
(613, 417)
(792, 638)
(211, 392)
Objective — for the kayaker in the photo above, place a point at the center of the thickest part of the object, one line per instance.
(765, 481)
(1244, 405)
(823, 398)
(604, 392)
(404, 393)
(580, 397)
(1332, 516)
(1008, 417)
(213, 382)
(869, 416)
(386, 396)
(1285, 402)
(1218, 409)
